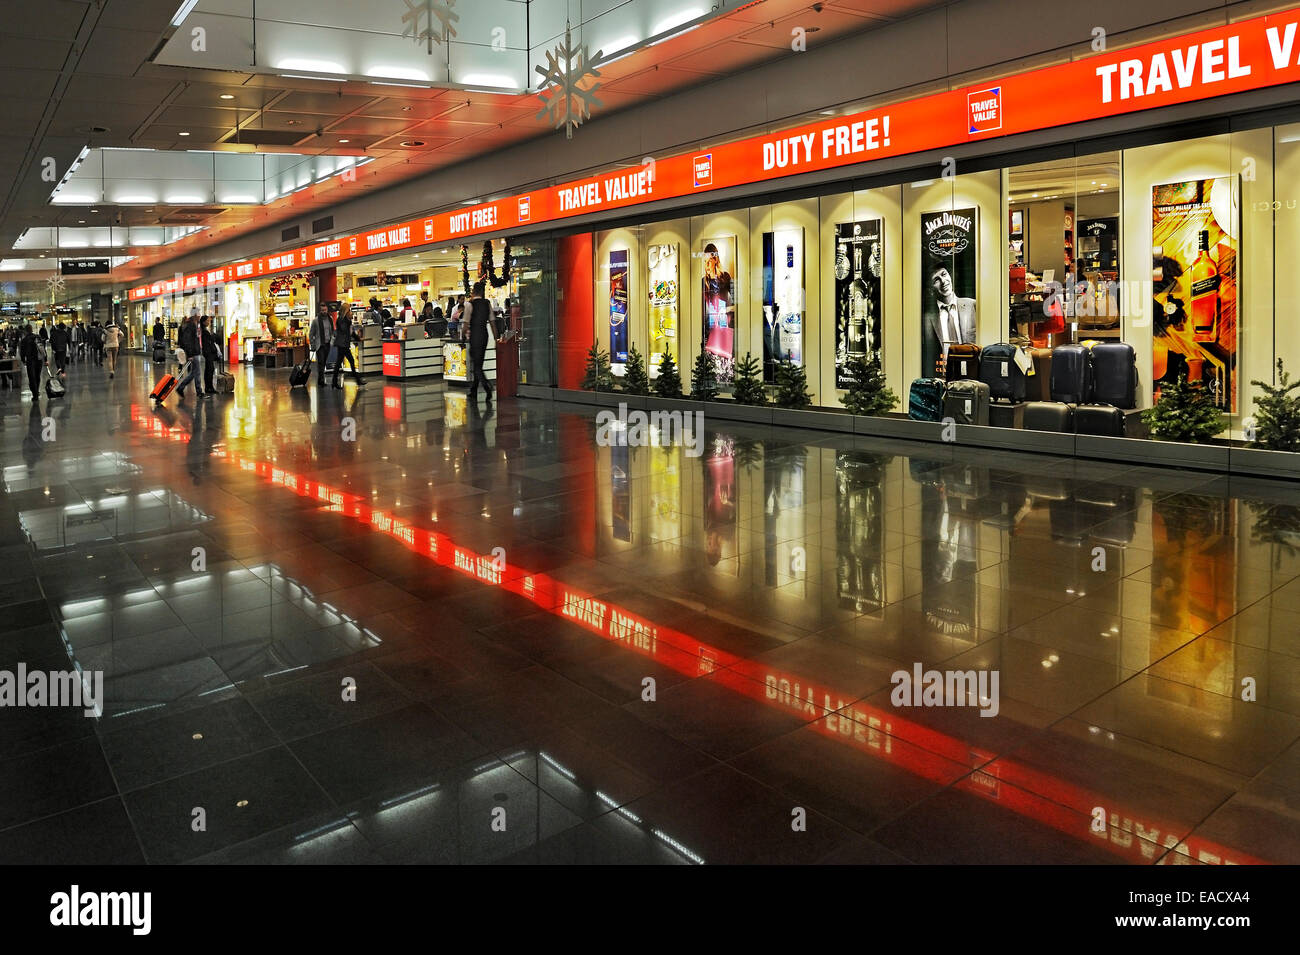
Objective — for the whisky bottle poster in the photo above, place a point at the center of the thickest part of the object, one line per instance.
(718, 304)
(858, 268)
(618, 306)
(948, 278)
(661, 270)
(783, 300)
(1195, 230)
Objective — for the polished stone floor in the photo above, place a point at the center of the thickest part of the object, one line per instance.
(470, 636)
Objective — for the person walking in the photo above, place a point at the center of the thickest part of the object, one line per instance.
(112, 341)
(188, 341)
(211, 354)
(343, 345)
(320, 337)
(97, 342)
(480, 314)
(29, 352)
(59, 342)
(74, 353)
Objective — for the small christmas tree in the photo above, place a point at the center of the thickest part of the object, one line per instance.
(704, 377)
(598, 375)
(1185, 412)
(669, 382)
(868, 393)
(748, 387)
(635, 379)
(1277, 425)
(792, 387)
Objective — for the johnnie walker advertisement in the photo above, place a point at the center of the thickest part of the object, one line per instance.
(661, 269)
(782, 300)
(858, 268)
(618, 306)
(718, 300)
(948, 278)
(1195, 230)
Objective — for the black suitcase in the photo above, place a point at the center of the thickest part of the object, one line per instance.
(54, 388)
(159, 352)
(1104, 420)
(925, 399)
(998, 370)
(300, 374)
(1071, 374)
(1049, 416)
(967, 402)
(1114, 374)
(963, 362)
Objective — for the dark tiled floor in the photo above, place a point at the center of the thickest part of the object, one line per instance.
(310, 657)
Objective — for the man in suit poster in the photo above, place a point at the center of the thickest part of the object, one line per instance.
(948, 270)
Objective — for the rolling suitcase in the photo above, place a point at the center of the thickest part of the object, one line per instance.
(925, 399)
(54, 388)
(967, 402)
(963, 362)
(998, 370)
(300, 374)
(1038, 386)
(1114, 374)
(1049, 416)
(166, 385)
(159, 352)
(223, 383)
(1071, 374)
(1104, 420)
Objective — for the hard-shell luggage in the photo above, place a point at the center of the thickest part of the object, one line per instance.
(998, 370)
(1049, 416)
(223, 383)
(1071, 374)
(1038, 386)
(967, 402)
(1114, 374)
(166, 385)
(1104, 420)
(300, 374)
(963, 362)
(925, 399)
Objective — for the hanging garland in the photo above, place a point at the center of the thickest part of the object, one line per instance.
(487, 270)
(464, 267)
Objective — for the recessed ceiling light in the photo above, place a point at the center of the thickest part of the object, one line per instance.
(182, 133)
(227, 96)
(81, 222)
(411, 143)
(406, 109)
(345, 140)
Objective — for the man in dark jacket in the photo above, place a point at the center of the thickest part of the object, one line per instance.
(29, 352)
(211, 354)
(480, 313)
(59, 343)
(343, 344)
(320, 337)
(189, 342)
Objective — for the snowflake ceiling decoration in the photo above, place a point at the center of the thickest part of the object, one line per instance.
(56, 285)
(429, 12)
(570, 76)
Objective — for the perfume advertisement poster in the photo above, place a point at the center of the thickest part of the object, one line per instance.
(858, 268)
(618, 306)
(661, 269)
(948, 278)
(1195, 230)
(782, 300)
(718, 300)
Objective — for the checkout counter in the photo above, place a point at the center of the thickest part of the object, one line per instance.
(369, 351)
(408, 354)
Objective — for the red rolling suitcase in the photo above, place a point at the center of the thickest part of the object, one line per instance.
(166, 385)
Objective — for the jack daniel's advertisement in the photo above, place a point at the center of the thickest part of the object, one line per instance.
(948, 274)
(858, 269)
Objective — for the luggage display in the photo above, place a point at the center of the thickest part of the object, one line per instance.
(300, 374)
(1071, 374)
(223, 383)
(1104, 420)
(963, 362)
(999, 370)
(166, 385)
(967, 402)
(1114, 374)
(1049, 416)
(1004, 415)
(1038, 386)
(925, 399)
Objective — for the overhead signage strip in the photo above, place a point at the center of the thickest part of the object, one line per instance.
(1249, 55)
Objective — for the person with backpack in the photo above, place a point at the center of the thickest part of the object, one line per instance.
(320, 337)
(59, 342)
(343, 345)
(189, 342)
(29, 353)
(211, 354)
(97, 342)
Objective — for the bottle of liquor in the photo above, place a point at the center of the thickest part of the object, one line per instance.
(1205, 294)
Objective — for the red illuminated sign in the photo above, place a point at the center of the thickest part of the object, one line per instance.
(392, 358)
(1248, 55)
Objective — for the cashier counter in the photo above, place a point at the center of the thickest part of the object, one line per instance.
(411, 355)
